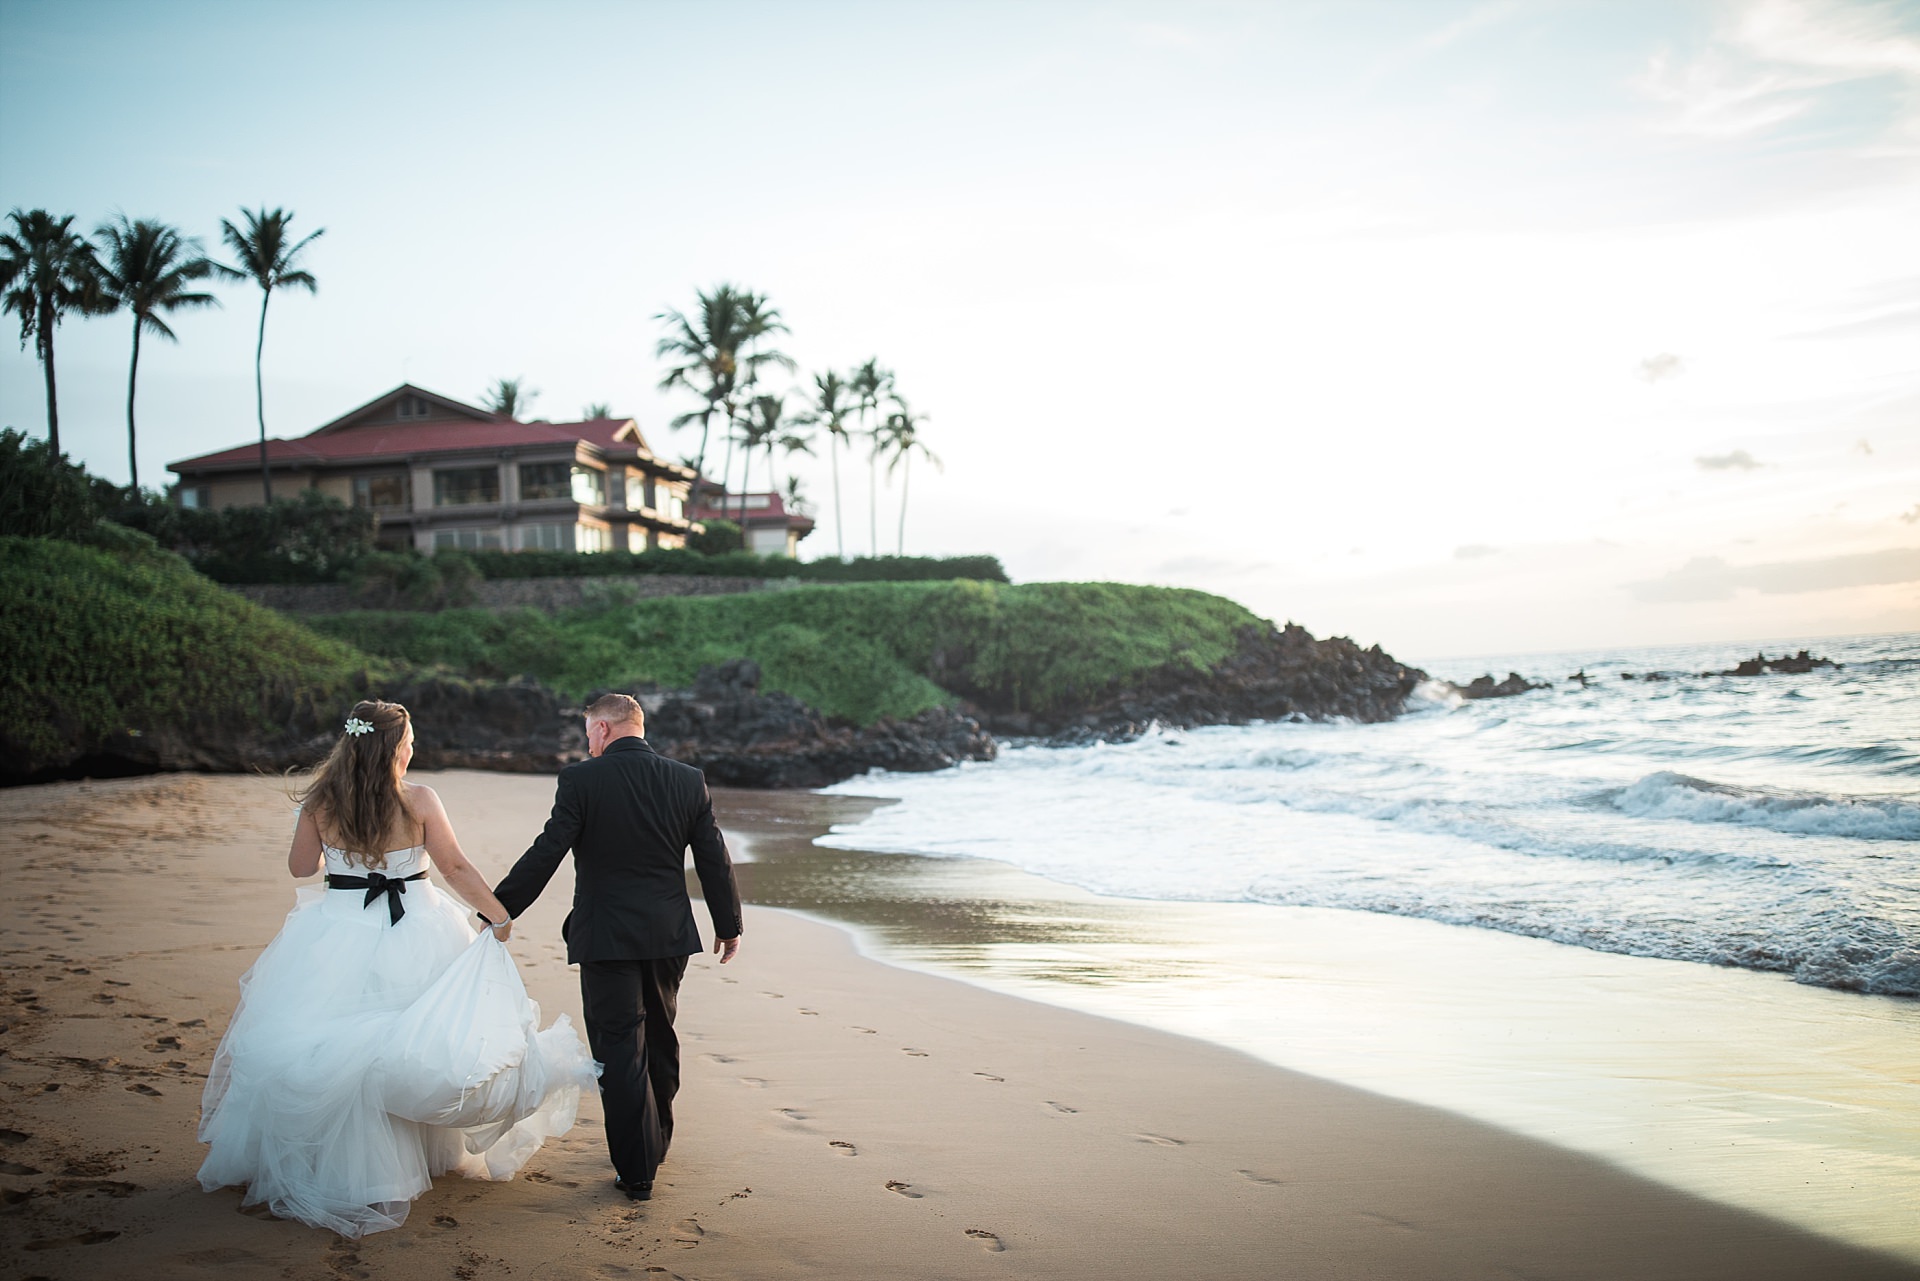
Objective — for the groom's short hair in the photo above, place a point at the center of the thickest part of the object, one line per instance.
(615, 709)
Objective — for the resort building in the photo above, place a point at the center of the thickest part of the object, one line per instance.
(768, 526)
(439, 473)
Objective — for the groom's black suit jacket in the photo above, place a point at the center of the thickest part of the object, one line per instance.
(629, 815)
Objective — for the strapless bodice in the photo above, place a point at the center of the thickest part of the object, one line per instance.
(398, 862)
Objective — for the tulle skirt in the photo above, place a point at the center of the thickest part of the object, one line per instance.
(364, 1058)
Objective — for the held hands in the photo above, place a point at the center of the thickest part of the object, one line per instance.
(726, 949)
(502, 931)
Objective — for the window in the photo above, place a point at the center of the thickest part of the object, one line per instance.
(546, 538)
(468, 540)
(589, 486)
(545, 480)
(591, 538)
(637, 486)
(195, 497)
(459, 486)
(381, 491)
(411, 407)
(668, 500)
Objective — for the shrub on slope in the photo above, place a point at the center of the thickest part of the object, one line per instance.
(856, 651)
(100, 646)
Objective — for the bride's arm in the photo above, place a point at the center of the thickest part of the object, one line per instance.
(444, 848)
(303, 860)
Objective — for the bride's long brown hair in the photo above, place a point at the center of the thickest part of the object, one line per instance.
(356, 794)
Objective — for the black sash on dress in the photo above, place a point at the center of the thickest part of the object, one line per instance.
(376, 884)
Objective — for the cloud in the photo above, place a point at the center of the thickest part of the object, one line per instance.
(1911, 517)
(1709, 578)
(1659, 368)
(1893, 322)
(1773, 61)
(1863, 446)
(1738, 460)
(1474, 551)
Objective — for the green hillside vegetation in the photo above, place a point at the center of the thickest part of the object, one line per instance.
(857, 652)
(131, 638)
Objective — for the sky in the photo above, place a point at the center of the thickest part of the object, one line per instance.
(1481, 327)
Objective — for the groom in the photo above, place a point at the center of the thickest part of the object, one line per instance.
(629, 816)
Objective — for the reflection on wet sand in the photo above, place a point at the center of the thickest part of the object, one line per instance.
(1745, 1087)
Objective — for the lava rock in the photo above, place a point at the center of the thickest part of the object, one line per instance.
(1486, 687)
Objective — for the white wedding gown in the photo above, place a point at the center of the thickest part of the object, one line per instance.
(367, 1055)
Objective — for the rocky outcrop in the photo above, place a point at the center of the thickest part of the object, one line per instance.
(1760, 665)
(740, 736)
(1487, 687)
(1274, 673)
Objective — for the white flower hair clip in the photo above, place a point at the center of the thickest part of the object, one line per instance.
(357, 727)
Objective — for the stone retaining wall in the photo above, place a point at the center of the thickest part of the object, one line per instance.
(514, 593)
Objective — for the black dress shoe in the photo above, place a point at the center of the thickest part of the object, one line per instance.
(635, 1191)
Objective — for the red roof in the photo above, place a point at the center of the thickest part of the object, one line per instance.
(402, 440)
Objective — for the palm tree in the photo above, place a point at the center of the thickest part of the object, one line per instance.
(872, 385)
(46, 270)
(268, 256)
(509, 397)
(707, 349)
(757, 320)
(761, 425)
(148, 266)
(597, 410)
(830, 410)
(900, 437)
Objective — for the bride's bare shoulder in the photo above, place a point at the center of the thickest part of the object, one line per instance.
(422, 797)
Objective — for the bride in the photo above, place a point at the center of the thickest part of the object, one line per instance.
(379, 1040)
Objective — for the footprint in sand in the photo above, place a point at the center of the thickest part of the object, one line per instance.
(1261, 1179)
(145, 1089)
(687, 1234)
(445, 1221)
(843, 1147)
(989, 1076)
(988, 1241)
(61, 1243)
(1063, 1109)
(717, 1058)
(1160, 1139)
(793, 1114)
(13, 1138)
(778, 996)
(918, 1054)
(903, 1189)
(864, 1030)
(754, 1082)
(804, 1010)
(16, 1169)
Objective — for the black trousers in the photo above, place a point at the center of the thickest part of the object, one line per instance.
(629, 1008)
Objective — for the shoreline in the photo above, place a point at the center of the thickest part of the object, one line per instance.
(841, 1116)
(1740, 1086)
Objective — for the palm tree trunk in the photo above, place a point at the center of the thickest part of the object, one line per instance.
(839, 535)
(133, 372)
(44, 340)
(873, 499)
(906, 477)
(726, 471)
(746, 472)
(260, 399)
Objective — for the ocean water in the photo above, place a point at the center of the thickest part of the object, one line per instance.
(1770, 823)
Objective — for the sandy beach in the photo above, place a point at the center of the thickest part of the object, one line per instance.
(840, 1117)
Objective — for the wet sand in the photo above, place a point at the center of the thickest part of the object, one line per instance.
(840, 1116)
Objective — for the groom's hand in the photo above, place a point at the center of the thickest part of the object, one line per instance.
(725, 949)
